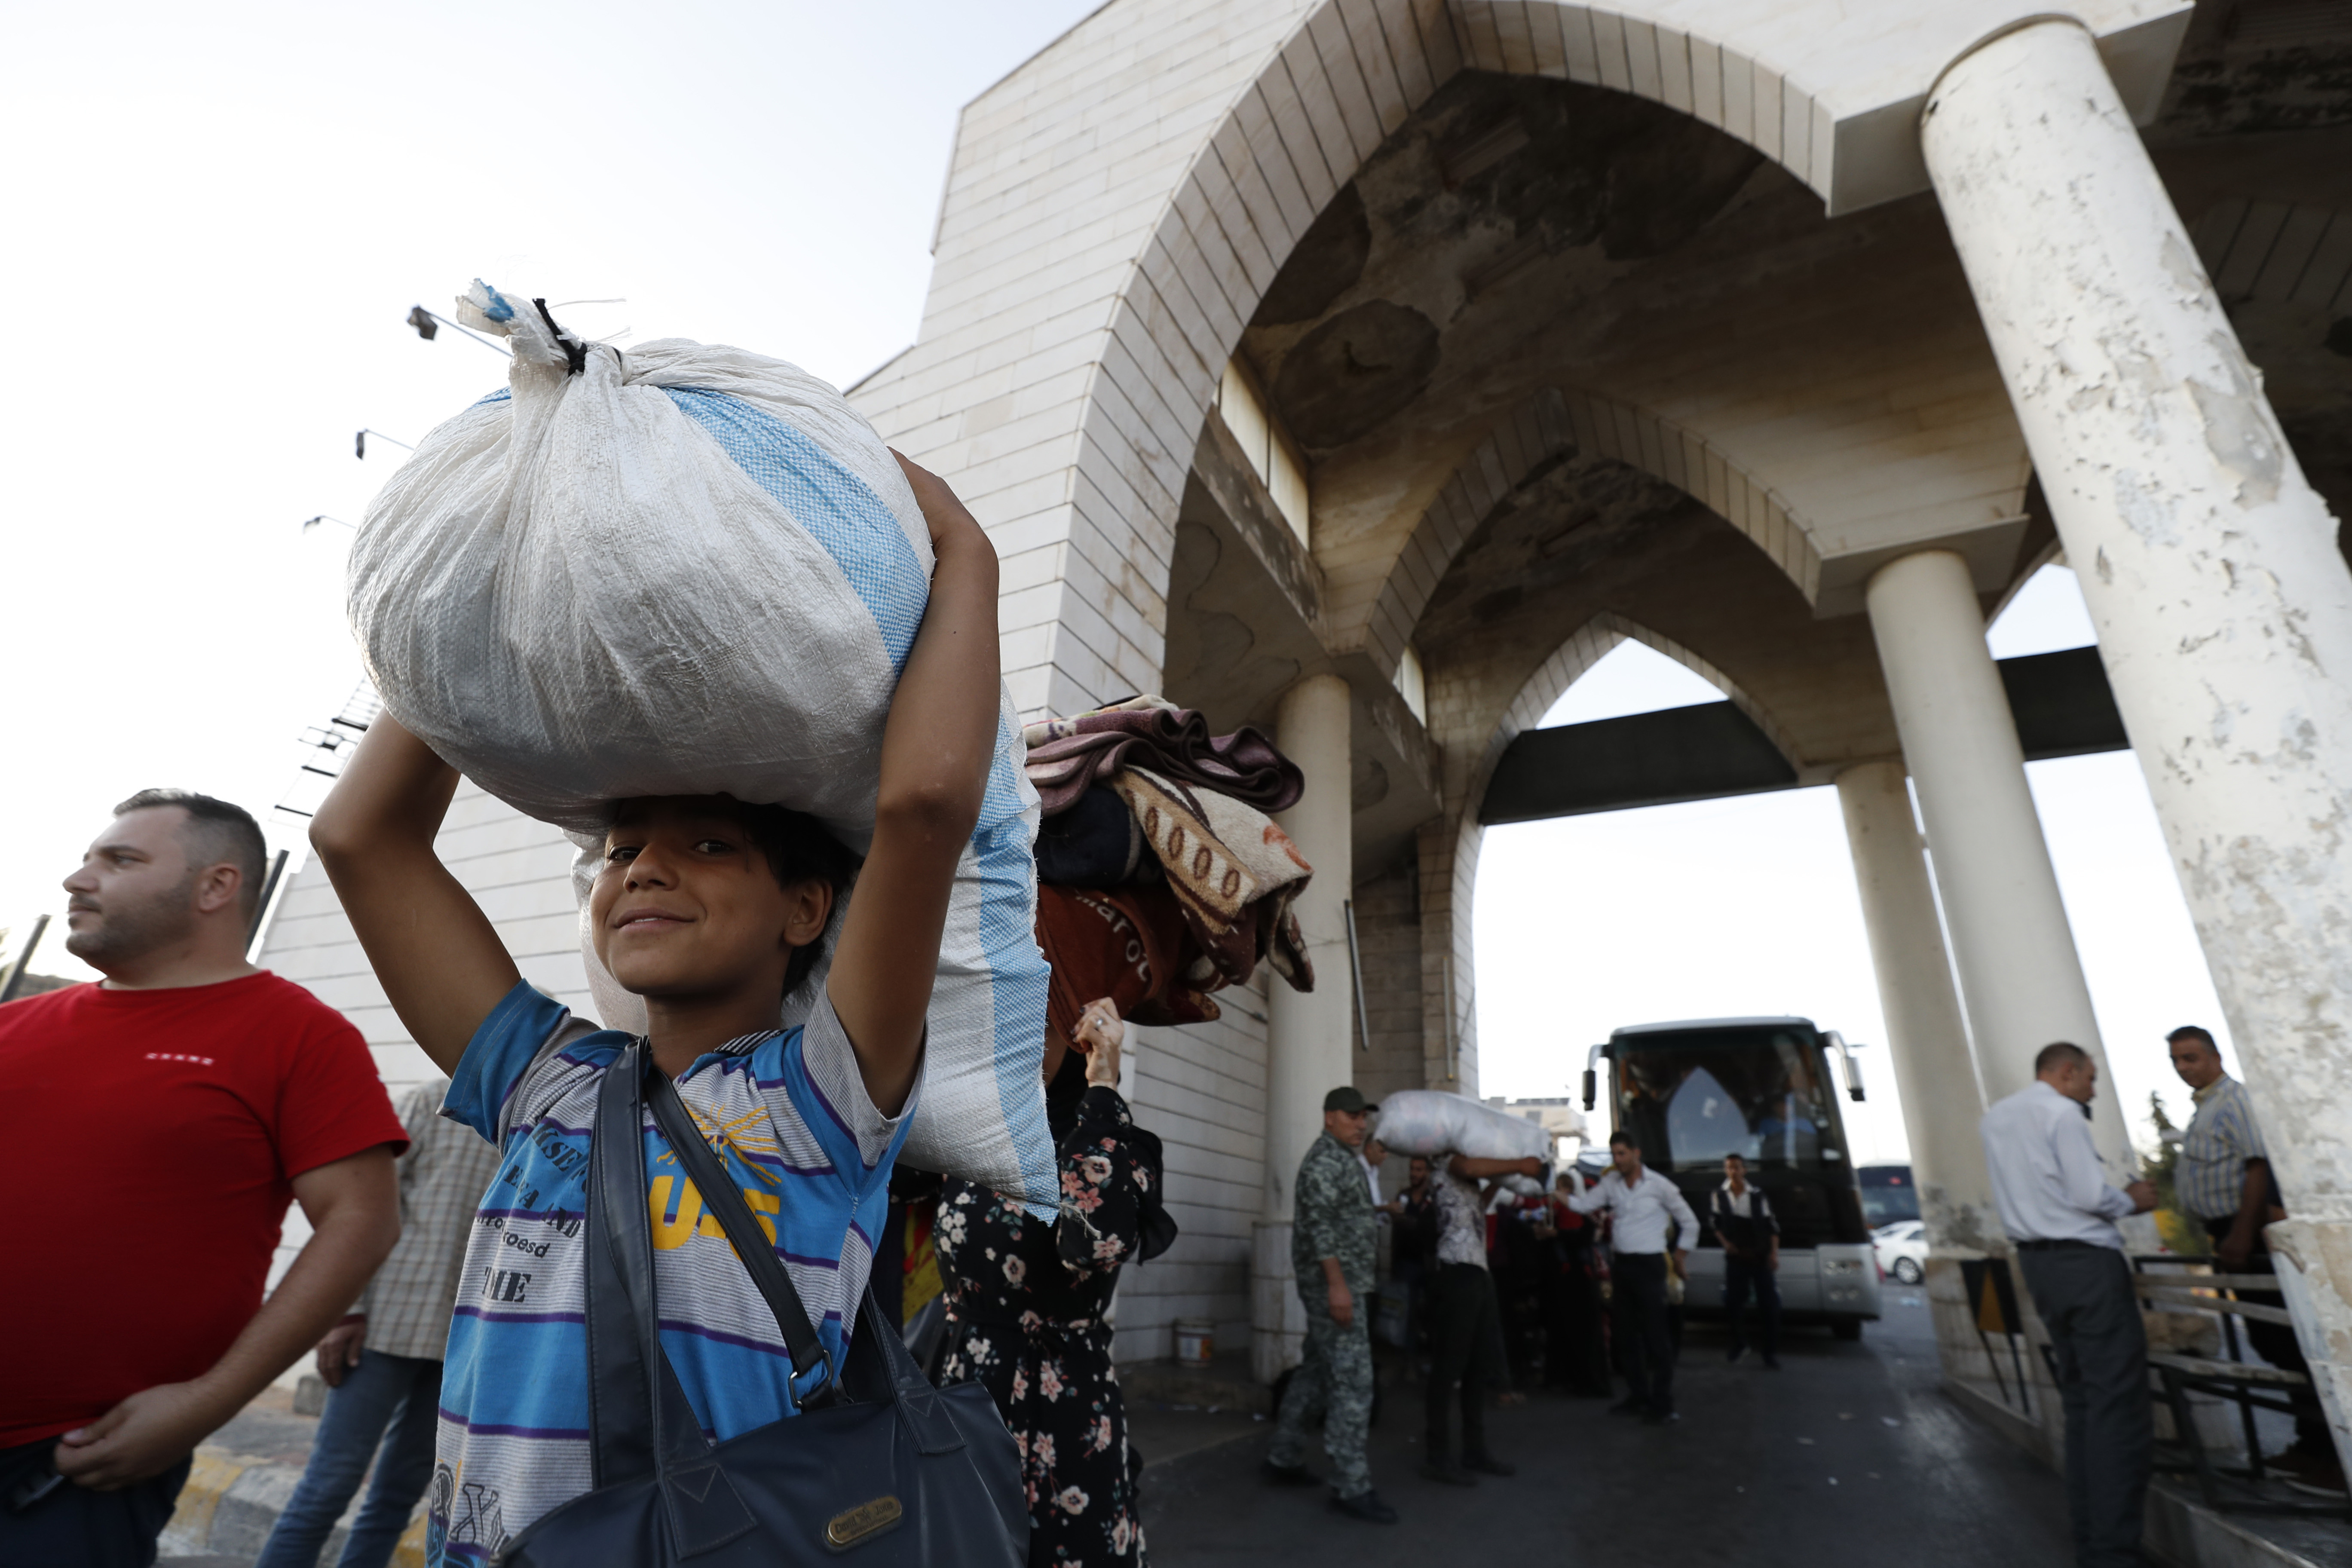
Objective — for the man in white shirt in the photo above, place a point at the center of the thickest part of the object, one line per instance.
(1642, 1205)
(2060, 1211)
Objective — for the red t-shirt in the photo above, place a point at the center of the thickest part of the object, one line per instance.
(149, 1141)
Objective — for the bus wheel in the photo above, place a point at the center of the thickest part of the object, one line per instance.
(1846, 1329)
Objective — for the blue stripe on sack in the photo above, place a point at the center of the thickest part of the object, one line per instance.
(1017, 972)
(501, 396)
(839, 509)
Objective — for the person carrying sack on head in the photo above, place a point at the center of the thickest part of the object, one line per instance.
(1466, 1327)
(601, 1261)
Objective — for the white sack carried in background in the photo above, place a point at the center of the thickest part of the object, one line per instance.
(1431, 1121)
(685, 569)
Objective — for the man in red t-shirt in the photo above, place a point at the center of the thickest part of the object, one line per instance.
(153, 1128)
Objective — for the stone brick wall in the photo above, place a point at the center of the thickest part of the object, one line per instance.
(1202, 1089)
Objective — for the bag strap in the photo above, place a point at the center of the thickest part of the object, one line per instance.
(640, 1421)
(639, 1414)
(919, 1410)
(620, 1369)
(723, 1201)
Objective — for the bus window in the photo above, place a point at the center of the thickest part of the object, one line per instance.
(1694, 1100)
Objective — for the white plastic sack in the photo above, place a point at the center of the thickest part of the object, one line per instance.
(685, 569)
(1431, 1121)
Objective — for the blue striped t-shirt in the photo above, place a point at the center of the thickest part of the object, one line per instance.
(787, 1113)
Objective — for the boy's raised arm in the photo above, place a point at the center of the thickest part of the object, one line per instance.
(437, 954)
(935, 751)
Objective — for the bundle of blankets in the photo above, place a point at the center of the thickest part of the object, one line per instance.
(1161, 874)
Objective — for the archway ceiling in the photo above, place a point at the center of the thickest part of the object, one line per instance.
(1517, 233)
(1597, 541)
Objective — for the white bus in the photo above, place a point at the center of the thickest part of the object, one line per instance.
(1692, 1092)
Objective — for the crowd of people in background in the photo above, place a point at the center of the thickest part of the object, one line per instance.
(1482, 1289)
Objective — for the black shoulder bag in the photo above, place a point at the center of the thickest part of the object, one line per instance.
(877, 1465)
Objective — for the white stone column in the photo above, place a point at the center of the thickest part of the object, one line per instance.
(1309, 1033)
(2021, 980)
(2224, 609)
(1925, 1037)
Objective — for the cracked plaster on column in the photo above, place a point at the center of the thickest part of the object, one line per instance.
(2222, 606)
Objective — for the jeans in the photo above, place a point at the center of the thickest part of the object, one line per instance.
(390, 1399)
(74, 1527)
(1741, 1275)
(2086, 1299)
(1646, 1345)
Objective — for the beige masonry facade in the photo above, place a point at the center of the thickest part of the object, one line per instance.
(1592, 324)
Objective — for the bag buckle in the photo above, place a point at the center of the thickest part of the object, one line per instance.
(826, 1395)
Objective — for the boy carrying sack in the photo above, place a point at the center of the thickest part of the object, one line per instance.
(713, 912)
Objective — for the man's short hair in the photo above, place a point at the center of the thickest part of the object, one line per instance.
(2058, 1054)
(2191, 1032)
(216, 832)
(1622, 1136)
(1735, 1154)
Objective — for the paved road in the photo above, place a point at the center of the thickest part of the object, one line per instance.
(1846, 1455)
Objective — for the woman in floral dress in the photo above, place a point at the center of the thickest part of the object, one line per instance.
(1025, 1300)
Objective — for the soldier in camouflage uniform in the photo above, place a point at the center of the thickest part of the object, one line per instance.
(1331, 1255)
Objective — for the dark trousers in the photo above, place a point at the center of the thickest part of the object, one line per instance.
(2086, 1299)
(74, 1527)
(1645, 1346)
(387, 1409)
(1740, 1277)
(1576, 1357)
(2276, 1343)
(1465, 1354)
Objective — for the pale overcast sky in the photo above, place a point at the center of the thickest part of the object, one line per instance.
(218, 217)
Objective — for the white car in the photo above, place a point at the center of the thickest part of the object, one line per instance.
(1901, 1250)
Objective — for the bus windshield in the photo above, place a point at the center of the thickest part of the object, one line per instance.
(1759, 1093)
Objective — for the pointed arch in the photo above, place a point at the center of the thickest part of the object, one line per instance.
(1563, 422)
(1449, 844)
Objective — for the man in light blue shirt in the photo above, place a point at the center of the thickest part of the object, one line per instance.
(2060, 1210)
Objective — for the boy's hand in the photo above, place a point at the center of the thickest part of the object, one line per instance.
(942, 513)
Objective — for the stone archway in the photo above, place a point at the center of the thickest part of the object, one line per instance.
(1562, 422)
(1449, 845)
(1349, 75)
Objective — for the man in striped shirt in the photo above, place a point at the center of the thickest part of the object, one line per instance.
(2224, 1179)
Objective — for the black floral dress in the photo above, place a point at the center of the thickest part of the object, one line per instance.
(1025, 1302)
